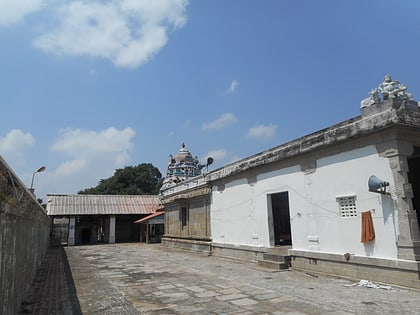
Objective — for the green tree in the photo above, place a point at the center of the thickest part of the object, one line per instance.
(143, 179)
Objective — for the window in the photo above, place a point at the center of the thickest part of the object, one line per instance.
(184, 214)
(347, 206)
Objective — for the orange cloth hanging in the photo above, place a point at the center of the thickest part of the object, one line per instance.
(368, 231)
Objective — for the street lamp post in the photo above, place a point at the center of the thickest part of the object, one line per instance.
(39, 170)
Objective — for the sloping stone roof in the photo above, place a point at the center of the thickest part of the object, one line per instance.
(389, 113)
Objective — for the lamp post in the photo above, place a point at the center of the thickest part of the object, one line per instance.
(39, 170)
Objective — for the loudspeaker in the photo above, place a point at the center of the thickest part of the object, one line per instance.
(210, 160)
(377, 185)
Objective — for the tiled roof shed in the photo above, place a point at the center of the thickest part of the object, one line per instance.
(150, 216)
(67, 205)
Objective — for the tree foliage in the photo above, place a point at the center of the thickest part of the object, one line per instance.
(143, 179)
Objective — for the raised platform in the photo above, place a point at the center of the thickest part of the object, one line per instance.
(398, 272)
(202, 246)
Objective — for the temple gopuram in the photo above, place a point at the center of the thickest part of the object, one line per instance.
(182, 166)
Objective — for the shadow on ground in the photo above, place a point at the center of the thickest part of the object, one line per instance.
(53, 290)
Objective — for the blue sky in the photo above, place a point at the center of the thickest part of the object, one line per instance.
(87, 87)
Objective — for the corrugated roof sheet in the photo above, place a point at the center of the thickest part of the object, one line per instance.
(102, 204)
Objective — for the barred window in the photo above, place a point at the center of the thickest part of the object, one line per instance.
(347, 205)
(184, 214)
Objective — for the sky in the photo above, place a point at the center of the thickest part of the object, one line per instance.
(88, 87)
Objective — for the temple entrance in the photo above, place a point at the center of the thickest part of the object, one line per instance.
(281, 218)
(414, 179)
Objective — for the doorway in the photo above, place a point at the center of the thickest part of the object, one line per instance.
(414, 179)
(85, 235)
(281, 218)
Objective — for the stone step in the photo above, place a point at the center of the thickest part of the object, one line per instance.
(273, 264)
(277, 258)
(279, 250)
(274, 260)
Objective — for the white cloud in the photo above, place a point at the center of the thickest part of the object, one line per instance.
(217, 155)
(127, 32)
(70, 167)
(16, 142)
(262, 131)
(153, 12)
(111, 142)
(233, 85)
(104, 150)
(221, 122)
(14, 11)
(92, 155)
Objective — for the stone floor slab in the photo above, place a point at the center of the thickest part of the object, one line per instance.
(149, 279)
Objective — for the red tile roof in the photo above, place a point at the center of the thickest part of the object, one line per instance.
(151, 216)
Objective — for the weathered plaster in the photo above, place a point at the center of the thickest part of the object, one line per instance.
(24, 239)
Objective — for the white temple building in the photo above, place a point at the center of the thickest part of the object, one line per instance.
(342, 201)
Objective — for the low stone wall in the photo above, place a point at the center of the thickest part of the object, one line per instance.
(24, 239)
(238, 252)
(202, 246)
(398, 272)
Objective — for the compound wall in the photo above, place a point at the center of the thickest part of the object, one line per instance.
(24, 239)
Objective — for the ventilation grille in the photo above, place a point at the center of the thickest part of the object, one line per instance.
(347, 206)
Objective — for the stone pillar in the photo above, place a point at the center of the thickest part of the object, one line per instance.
(408, 241)
(147, 233)
(72, 230)
(111, 239)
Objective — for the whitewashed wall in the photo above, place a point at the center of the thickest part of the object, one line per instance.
(233, 214)
(239, 212)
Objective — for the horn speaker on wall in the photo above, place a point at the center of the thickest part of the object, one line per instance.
(377, 185)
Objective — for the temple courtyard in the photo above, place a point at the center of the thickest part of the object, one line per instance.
(138, 278)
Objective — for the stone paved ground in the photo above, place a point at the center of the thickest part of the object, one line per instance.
(52, 291)
(149, 279)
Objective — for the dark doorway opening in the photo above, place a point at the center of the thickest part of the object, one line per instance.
(281, 218)
(414, 179)
(85, 236)
(126, 230)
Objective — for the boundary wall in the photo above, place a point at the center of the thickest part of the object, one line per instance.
(24, 239)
